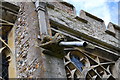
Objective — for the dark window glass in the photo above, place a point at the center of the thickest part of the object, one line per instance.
(77, 62)
(5, 65)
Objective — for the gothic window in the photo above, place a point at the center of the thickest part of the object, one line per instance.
(5, 50)
(5, 65)
(80, 64)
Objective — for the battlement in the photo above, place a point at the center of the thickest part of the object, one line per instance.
(66, 7)
(33, 45)
(84, 13)
(89, 26)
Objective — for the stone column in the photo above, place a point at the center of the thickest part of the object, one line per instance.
(54, 67)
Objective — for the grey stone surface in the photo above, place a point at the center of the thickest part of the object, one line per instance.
(54, 67)
(32, 63)
(95, 28)
(26, 50)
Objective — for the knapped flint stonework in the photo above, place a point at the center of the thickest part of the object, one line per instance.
(25, 40)
(31, 62)
(28, 56)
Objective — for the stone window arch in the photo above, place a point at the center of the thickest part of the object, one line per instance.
(82, 64)
(92, 66)
(8, 67)
(8, 17)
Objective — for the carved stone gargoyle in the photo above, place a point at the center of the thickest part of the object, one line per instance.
(52, 47)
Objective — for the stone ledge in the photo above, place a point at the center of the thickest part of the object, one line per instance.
(86, 37)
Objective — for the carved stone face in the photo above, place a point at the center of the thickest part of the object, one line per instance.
(51, 45)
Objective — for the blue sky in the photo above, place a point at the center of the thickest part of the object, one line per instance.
(104, 9)
(119, 13)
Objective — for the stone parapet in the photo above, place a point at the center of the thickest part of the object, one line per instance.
(88, 27)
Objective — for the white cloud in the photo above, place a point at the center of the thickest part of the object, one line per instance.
(98, 8)
(65, 0)
(95, 0)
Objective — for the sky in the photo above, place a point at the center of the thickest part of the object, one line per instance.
(104, 9)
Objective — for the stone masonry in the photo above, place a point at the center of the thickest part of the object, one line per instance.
(31, 62)
(27, 50)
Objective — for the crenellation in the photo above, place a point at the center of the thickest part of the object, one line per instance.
(62, 15)
(113, 30)
(95, 27)
(115, 26)
(110, 29)
(92, 19)
(84, 13)
(69, 7)
(66, 7)
(101, 53)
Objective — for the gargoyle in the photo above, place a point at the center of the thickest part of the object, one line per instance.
(51, 45)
